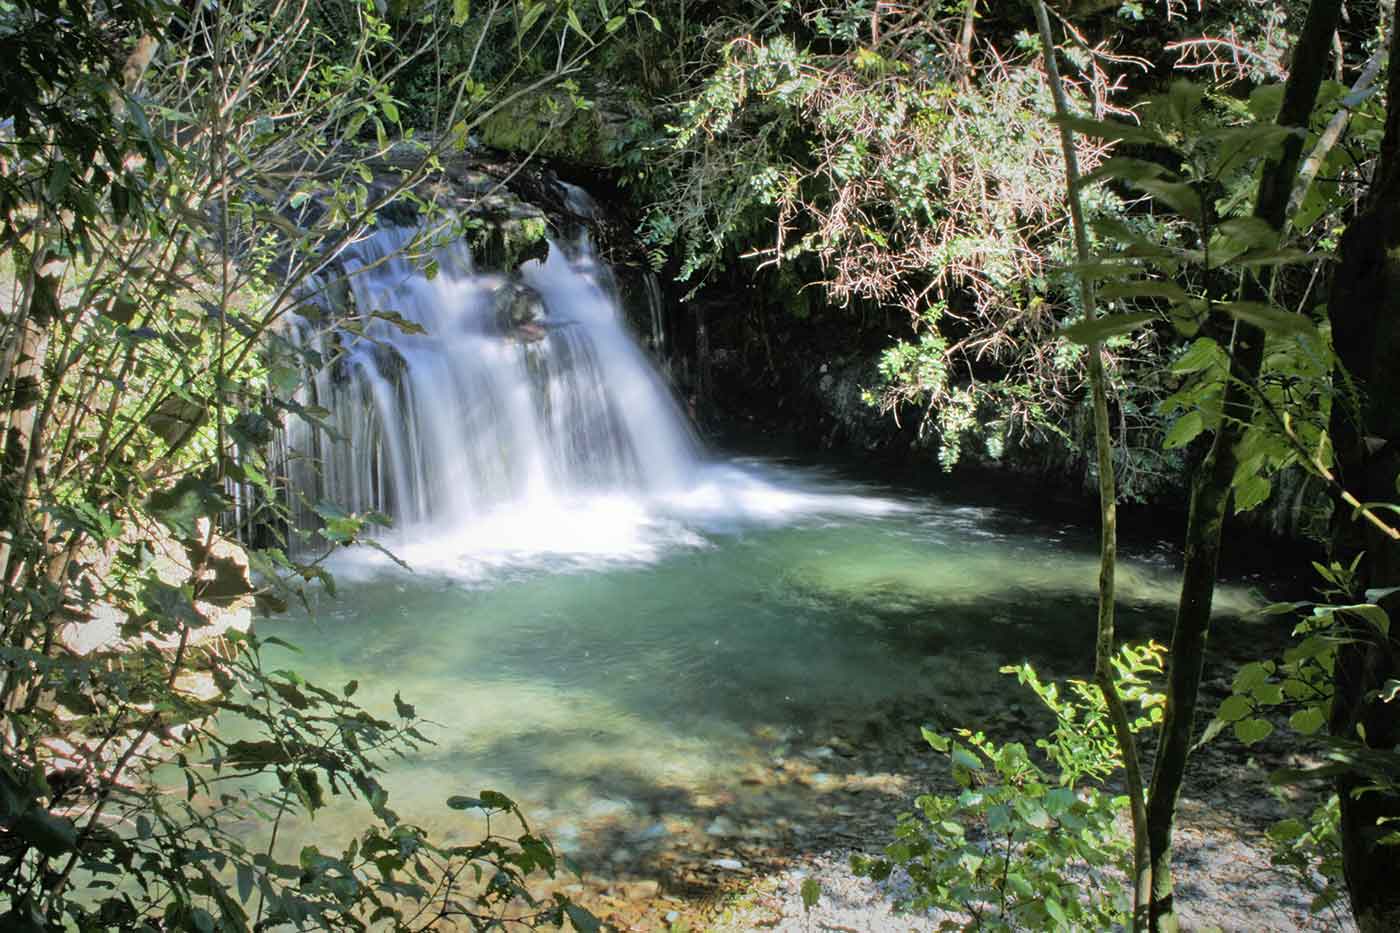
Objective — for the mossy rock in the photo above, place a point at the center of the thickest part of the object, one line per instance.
(503, 243)
(548, 124)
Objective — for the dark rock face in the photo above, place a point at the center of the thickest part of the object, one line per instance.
(520, 312)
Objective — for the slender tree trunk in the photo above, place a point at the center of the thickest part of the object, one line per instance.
(965, 36)
(23, 394)
(1211, 487)
(1104, 643)
(1365, 311)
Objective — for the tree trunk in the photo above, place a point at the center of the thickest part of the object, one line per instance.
(1365, 311)
(1105, 643)
(1211, 486)
(23, 393)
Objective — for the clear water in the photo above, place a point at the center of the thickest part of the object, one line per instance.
(610, 653)
(602, 617)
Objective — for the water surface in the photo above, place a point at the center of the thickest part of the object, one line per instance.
(593, 656)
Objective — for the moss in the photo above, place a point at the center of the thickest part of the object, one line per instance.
(547, 124)
(505, 242)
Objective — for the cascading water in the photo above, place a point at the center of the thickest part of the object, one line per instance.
(519, 418)
(513, 395)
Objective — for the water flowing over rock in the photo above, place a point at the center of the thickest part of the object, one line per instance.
(462, 393)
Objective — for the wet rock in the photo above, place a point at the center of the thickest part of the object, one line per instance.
(519, 310)
(604, 809)
(722, 826)
(728, 864)
(656, 832)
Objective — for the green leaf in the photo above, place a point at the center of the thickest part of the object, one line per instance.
(1286, 830)
(531, 15)
(614, 24)
(1250, 731)
(1308, 721)
(1251, 676)
(582, 920)
(1276, 257)
(1240, 145)
(1268, 318)
(182, 506)
(1265, 102)
(58, 180)
(1279, 609)
(1215, 727)
(1110, 325)
(1095, 271)
(245, 882)
(1144, 288)
(464, 803)
(461, 11)
(1203, 354)
(811, 893)
(1251, 492)
(964, 758)
(1235, 708)
(938, 742)
(1238, 236)
(575, 24)
(1179, 196)
(1371, 613)
(1126, 169)
(1185, 430)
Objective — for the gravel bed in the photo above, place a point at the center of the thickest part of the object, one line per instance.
(1222, 883)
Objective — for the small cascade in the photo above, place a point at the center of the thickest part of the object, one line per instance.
(516, 393)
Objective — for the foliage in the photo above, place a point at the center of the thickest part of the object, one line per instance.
(181, 860)
(902, 168)
(1021, 847)
(161, 226)
(1188, 279)
(1301, 685)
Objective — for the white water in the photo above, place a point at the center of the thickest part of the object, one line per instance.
(491, 444)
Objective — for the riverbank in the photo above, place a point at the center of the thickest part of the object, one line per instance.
(736, 861)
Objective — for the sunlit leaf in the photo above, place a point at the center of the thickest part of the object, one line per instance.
(1307, 721)
(1250, 731)
(1184, 430)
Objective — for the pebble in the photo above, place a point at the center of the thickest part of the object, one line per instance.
(722, 826)
(728, 864)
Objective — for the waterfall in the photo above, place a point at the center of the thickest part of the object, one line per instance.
(511, 393)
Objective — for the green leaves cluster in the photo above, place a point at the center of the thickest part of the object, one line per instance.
(866, 160)
(1189, 279)
(1300, 686)
(1024, 846)
(162, 216)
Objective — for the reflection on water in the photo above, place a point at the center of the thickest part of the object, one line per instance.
(610, 650)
